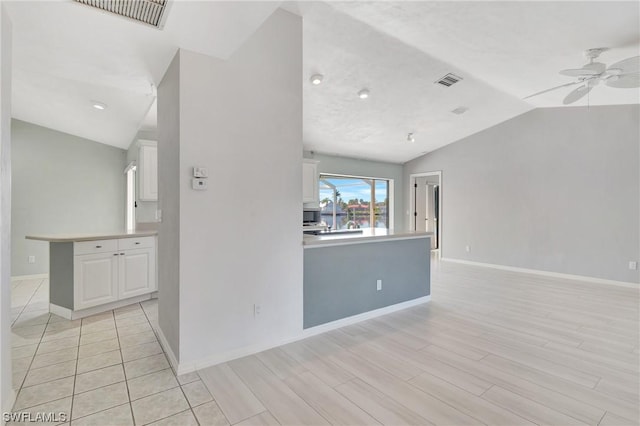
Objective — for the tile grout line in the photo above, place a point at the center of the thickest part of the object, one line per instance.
(124, 371)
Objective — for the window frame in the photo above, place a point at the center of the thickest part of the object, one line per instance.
(390, 183)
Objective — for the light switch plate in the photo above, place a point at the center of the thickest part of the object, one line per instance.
(633, 265)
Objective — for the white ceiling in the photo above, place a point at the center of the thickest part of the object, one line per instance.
(66, 55)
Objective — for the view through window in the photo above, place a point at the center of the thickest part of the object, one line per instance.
(354, 202)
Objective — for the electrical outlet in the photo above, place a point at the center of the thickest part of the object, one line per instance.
(633, 265)
(159, 215)
(256, 310)
(31, 259)
(467, 248)
(379, 285)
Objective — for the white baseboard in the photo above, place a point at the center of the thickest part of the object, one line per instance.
(73, 315)
(7, 405)
(167, 349)
(183, 368)
(29, 277)
(544, 273)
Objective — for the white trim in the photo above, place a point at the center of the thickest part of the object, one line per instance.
(303, 334)
(167, 350)
(73, 315)
(364, 240)
(9, 402)
(29, 277)
(412, 178)
(545, 273)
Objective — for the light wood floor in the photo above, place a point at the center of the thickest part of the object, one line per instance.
(492, 347)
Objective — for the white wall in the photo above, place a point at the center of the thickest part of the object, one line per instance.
(61, 184)
(240, 241)
(555, 189)
(169, 180)
(356, 167)
(6, 392)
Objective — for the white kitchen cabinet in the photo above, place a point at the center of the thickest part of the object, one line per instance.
(148, 171)
(310, 190)
(96, 276)
(136, 273)
(107, 271)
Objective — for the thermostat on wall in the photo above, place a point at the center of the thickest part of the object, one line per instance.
(200, 172)
(199, 184)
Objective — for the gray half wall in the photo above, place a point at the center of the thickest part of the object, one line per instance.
(554, 189)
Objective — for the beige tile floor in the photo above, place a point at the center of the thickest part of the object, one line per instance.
(107, 369)
(492, 347)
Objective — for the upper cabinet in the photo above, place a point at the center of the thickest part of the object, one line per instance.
(148, 171)
(310, 191)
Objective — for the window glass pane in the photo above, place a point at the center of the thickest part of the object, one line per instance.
(346, 202)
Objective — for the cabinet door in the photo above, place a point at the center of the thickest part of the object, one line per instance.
(309, 182)
(148, 160)
(137, 272)
(95, 279)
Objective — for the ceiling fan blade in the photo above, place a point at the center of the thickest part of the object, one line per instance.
(629, 65)
(553, 88)
(579, 72)
(624, 81)
(576, 94)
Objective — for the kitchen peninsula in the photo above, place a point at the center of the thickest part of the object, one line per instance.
(91, 273)
(350, 274)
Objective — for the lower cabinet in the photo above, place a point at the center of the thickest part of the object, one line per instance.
(111, 270)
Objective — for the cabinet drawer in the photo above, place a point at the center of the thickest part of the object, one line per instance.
(135, 243)
(98, 246)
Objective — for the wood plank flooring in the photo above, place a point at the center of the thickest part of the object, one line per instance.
(492, 347)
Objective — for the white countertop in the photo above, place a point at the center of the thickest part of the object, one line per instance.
(370, 235)
(70, 238)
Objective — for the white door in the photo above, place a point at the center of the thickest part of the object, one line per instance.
(96, 279)
(137, 272)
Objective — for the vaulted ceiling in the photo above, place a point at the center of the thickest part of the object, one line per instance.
(67, 55)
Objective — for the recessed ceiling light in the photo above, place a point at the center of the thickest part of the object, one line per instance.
(316, 79)
(411, 138)
(98, 105)
(363, 94)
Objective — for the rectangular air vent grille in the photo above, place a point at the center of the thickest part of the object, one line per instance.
(149, 12)
(449, 80)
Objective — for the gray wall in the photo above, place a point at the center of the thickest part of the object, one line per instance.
(6, 392)
(555, 189)
(357, 167)
(169, 202)
(403, 266)
(61, 184)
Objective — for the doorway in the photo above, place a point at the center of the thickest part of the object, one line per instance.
(426, 205)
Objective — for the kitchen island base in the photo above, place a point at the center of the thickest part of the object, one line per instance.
(357, 275)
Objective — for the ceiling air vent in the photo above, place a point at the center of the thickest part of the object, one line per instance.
(449, 80)
(150, 12)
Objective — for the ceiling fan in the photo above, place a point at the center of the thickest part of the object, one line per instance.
(624, 74)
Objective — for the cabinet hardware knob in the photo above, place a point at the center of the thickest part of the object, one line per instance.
(115, 254)
(98, 246)
(137, 242)
(121, 254)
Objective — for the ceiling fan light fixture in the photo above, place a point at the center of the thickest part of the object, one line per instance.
(316, 79)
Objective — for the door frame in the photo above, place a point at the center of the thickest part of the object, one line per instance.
(412, 201)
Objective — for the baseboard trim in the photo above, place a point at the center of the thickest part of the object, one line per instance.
(29, 277)
(73, 315)
(544, 273)
(183, 368)
(9, 402)
(167, 350)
